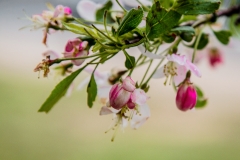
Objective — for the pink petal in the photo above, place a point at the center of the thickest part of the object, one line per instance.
(118, 96)
(139, 97)
(67, 10)
(193, 68)
(128, 84)
(181, 74)
(177, 58)
(80, 61)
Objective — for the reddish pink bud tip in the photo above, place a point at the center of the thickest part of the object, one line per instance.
(67, 11)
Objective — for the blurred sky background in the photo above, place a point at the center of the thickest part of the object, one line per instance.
(72, 131)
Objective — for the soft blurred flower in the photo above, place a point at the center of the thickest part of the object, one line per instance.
(215, 57)
(53, 16)
(87, 9)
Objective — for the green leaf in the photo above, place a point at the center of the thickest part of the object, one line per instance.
(100, 12)
(130, 21)
(76, 28)
(199, 92)
(182, 29)
(223, 36)
(168, 38)
(96, 47)
(201, 103)
(202, 43)
(59, 91)
(201, 100)
(196, 7)
(130, 61)
(160, 21)
(186, 32)
(92, 91)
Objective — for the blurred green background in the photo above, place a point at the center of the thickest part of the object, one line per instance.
(73, 131)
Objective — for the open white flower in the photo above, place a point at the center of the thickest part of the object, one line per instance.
(176, 68)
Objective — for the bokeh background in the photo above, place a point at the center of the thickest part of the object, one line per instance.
(73, 131)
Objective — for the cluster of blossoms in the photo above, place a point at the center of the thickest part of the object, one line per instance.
(51, 19)
(125, 97)
(119, 94)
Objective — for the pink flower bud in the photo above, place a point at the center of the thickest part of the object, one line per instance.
(186, 96)
(129, 84)
(67, 11)
(76, 48)
(118, 96)
(215, 57)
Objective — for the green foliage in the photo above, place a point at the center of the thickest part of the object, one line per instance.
(130, 21)
(92, 91)
(59, 91)
(76, 28)
(182, 29)
(235, 29)
(202, 43)
(160, 21)
(100, 12)
(96, 47)
(186, 32)
(168, 38)
(223, 36)
(196, 7)
(130, 60)
(201, 100)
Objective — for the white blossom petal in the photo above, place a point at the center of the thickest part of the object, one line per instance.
(149, 54)
(83, 83)
(139, 118)
(105, 111)
(193, 68)
(133, 3)
(87, 9)
(52, 54)
(159, 73)
(103, 91)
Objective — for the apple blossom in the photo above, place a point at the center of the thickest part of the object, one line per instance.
(176, 68)
(135, 109)
(76, 48)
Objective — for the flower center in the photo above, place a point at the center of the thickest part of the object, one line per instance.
(170, 70)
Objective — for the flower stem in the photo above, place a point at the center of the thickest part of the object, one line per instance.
(104, 34)
(146, 72)
(196, 45)
(86, 57)
(105, 21)
(135, 65)
(124, 10)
